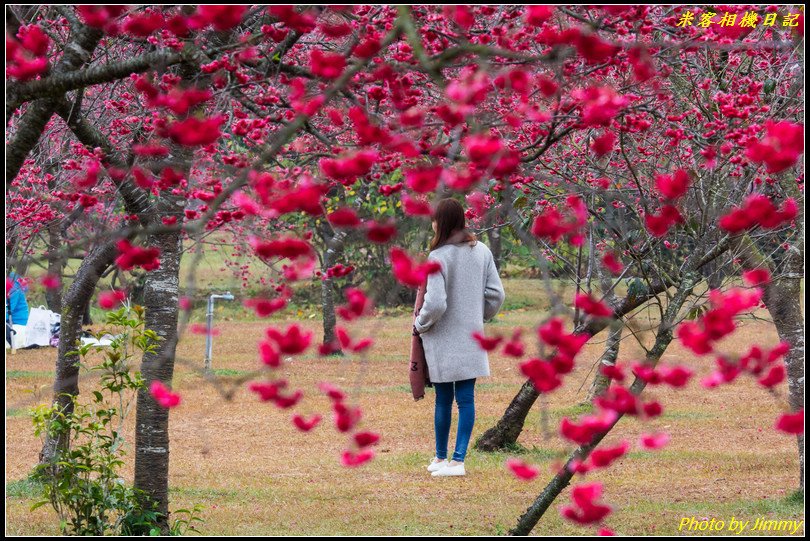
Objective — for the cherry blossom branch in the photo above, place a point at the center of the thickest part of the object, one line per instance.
(535, 512)
(59, 83)
(31, 125)
(285, 134)
(136, 200)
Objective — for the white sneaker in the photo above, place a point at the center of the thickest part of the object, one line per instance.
(448, 470)
(436, 465)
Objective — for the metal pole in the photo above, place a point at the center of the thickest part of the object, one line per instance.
(209, 339)
(10, 323)
(11, 333)
(209, 315)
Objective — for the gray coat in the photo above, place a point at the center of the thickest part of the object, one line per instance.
(467, 292)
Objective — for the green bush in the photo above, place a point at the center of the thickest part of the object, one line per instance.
(83, 483)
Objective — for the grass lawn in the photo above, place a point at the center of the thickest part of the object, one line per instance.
(255, 474)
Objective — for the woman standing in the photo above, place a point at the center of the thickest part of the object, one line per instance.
(458, 300)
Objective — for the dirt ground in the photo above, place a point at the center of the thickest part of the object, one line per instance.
(255, 474)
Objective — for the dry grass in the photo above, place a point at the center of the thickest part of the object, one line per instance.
(256, 474)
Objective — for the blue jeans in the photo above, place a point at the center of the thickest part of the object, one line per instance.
(465, 398)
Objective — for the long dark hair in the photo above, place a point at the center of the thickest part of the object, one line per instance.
(449, 217)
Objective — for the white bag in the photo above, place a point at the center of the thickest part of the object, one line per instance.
(38, 329)
(105, 340)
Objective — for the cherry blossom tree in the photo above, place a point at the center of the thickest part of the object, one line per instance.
(616, 144)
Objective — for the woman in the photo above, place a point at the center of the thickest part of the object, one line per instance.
(458, 300)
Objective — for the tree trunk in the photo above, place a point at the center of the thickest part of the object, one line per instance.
(77, 298)
(334, 246)
(328, 306)
(161, 294)
(32, 123)
(495, 245)
(782, 297)
(788, 318)
(600, 381)
(509, 427)
(56, 266)
(86, 318)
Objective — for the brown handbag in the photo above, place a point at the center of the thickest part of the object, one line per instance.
(417, 367)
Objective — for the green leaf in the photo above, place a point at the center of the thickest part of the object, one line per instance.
(39, 504)
(696, 311)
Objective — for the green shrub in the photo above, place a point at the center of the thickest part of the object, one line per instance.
(83, 483)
